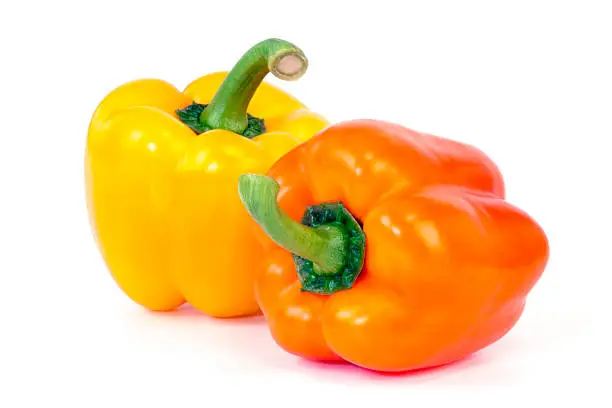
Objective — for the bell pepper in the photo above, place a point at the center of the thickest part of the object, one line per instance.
(389, 248)
(161, 172)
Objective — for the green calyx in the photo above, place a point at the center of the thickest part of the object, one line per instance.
(332, 215)
(190, 116)
(328, 245)
(228, 109)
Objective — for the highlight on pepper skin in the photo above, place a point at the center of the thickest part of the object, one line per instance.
(400, 253)
(161, 173)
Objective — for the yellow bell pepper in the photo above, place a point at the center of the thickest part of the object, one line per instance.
(162, 169)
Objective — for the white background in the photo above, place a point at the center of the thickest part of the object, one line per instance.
(528, 82)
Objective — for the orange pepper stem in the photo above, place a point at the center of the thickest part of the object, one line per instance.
(228, 109)
(324, 246)
(328, 250)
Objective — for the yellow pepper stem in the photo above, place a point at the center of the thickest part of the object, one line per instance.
(228, 109)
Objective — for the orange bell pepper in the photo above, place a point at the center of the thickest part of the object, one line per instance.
(405, 253)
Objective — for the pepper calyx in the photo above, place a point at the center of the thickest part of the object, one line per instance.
(190, 116)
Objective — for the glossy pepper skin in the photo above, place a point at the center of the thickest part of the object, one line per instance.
(448, 262)
(162, 198)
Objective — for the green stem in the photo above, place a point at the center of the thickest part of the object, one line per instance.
(228, 109)
(325, 246)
